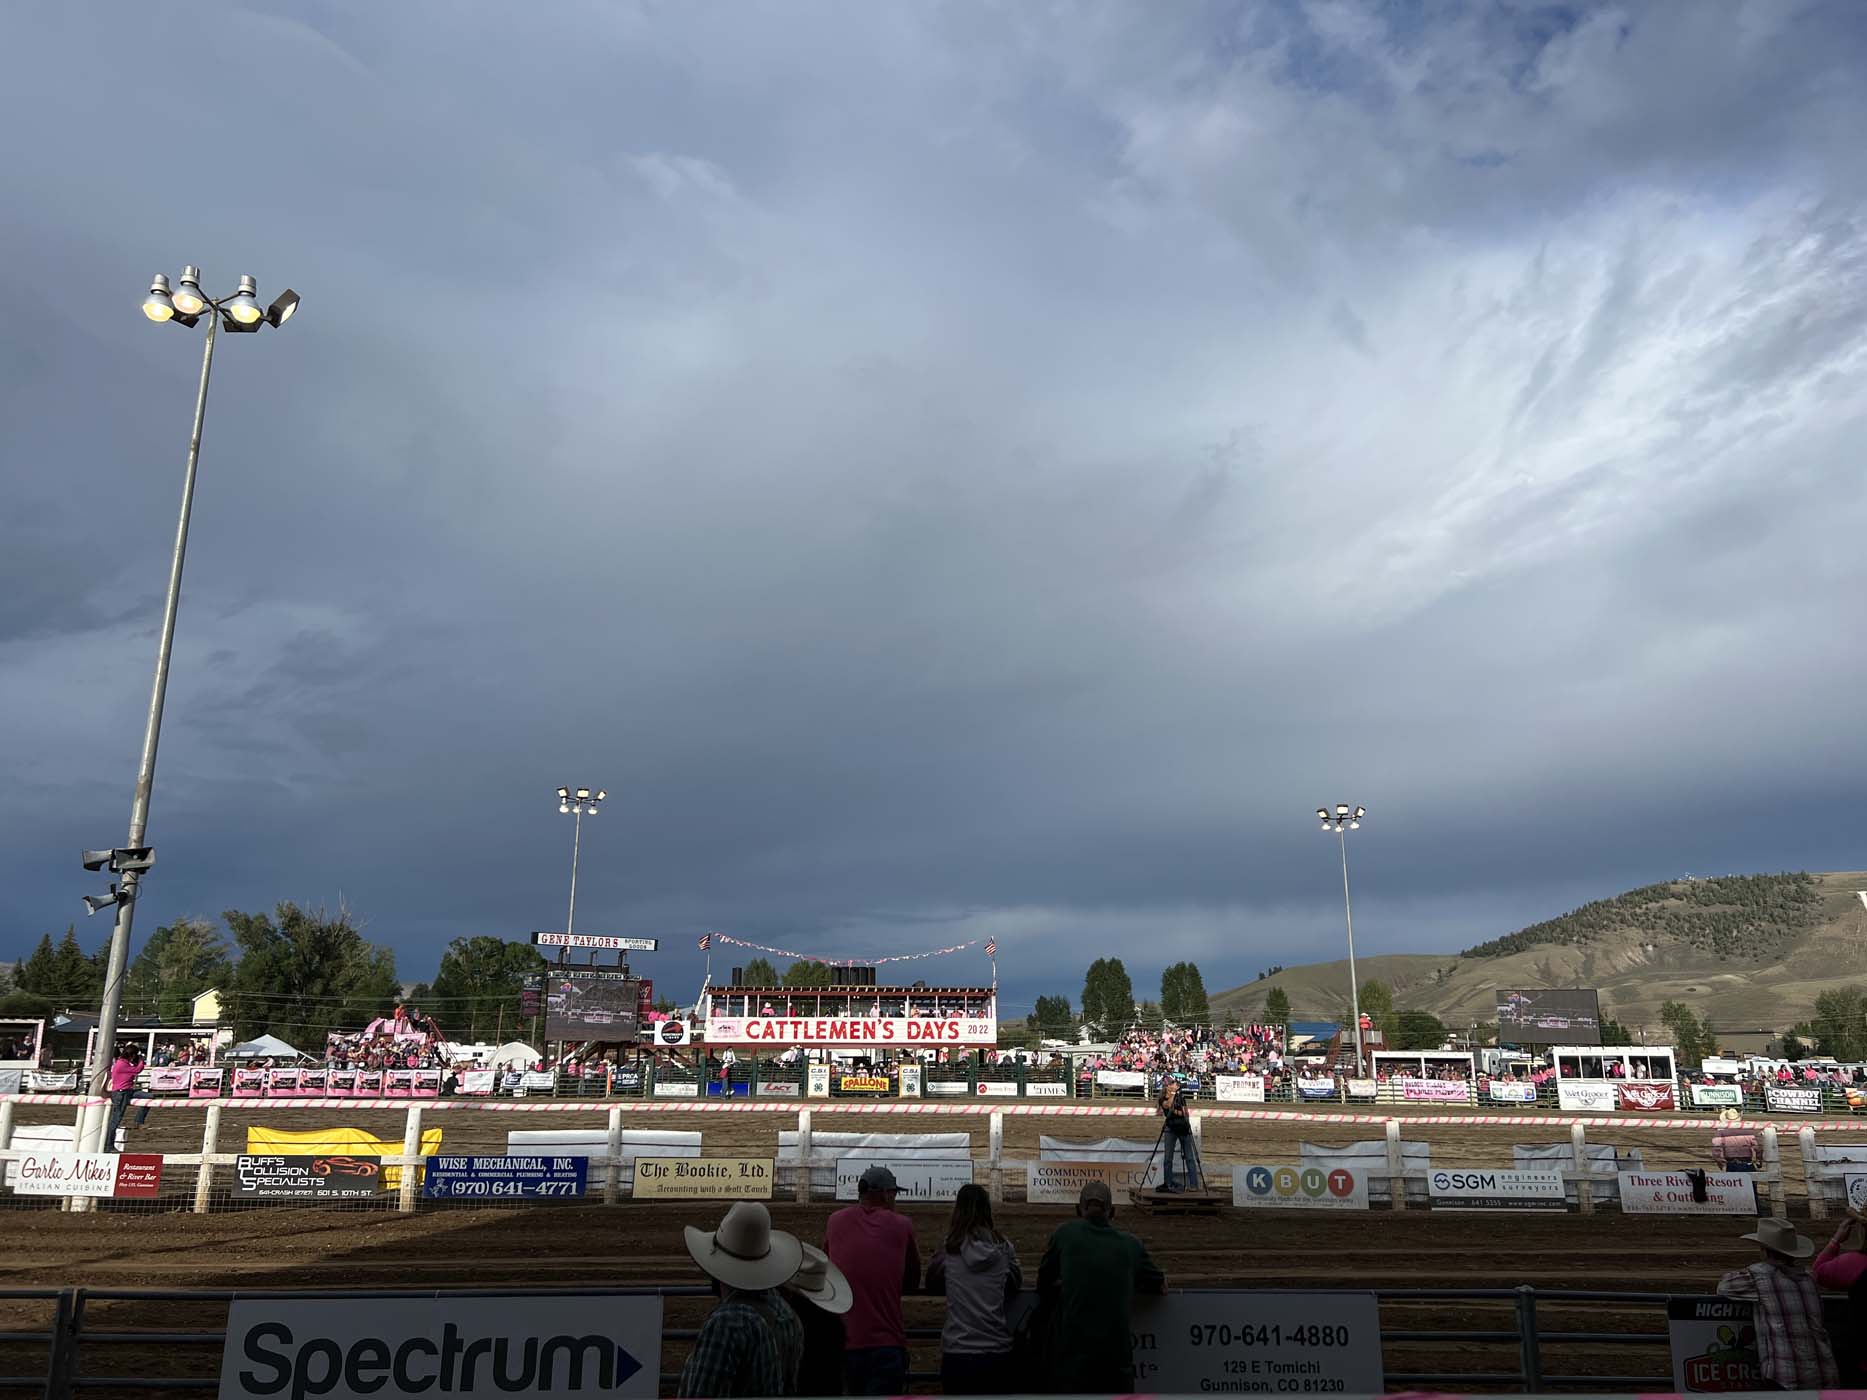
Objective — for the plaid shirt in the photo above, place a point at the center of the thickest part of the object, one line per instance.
(751, 1344)
(1792, 1345)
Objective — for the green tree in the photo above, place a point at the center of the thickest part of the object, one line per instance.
(179, 961)
(37, 973)
(1277, 1007)
(1052, 1018)
(1794, 1046)
(809, 972)
(28, 1004)
(1183, 995)
(759, 973)
(1417, 1030)
(476, 988)
(1840, 1023)
(306, 974)
(1108, 998)
(1691, 1037)
(1147, 1016)
(76, 979)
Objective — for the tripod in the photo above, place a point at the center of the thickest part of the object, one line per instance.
(1195, 1166)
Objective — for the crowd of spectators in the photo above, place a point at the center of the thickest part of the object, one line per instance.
(1195, 1054)
(404, 1039)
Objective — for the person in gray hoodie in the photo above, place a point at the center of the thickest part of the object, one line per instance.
(978, 1271)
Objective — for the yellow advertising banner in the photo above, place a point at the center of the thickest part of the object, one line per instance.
(343, 1142)
(864, 1084)
(703, 1178)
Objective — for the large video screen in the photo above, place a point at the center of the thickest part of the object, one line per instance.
(580, 1006)
(1549, 1016)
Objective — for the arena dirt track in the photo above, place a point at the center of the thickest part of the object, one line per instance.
(553, 1245)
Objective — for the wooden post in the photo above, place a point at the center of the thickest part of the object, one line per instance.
(1199, 1149)
(1773, 1164)
(612, 1184)
(803, 1156)
(411, 1160)
(1584, 1188)
(1815, 1173)
(6, 1124)
(204, 1174)
(994, 1152)
(1396, 1166)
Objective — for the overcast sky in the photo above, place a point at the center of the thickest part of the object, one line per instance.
(945, 469)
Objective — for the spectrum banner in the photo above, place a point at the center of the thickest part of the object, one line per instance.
(845, 1031)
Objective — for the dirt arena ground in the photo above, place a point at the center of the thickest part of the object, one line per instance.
(566, 1245)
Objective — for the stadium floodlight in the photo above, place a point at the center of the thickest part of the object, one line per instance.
(186, 306)
(563, 794)
(584, 804)
(1345, 820)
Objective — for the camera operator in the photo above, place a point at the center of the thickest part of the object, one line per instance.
(1177, 1132)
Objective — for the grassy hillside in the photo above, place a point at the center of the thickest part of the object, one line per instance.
(1745, 951)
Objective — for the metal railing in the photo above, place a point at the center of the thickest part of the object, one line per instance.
(68, 1338)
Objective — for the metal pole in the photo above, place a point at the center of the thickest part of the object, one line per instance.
(103, 1050)
(1354, 986)
(576, 840)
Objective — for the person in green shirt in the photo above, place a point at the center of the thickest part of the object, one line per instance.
(1090, 1274)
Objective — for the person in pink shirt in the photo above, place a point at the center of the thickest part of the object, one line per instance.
(874, 1246)
(123, 1072)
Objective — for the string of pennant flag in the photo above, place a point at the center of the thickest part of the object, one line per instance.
(707, 941)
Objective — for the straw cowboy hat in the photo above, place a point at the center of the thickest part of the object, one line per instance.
(1780, 1237)
(822, 1282)
(1727, 1115)
(745, 1252)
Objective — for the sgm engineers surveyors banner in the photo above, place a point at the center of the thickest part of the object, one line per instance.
(488, 1348)
(504, 1178)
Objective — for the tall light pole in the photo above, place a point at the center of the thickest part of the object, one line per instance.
(1341, 822)
(579, 801)
(237, 314)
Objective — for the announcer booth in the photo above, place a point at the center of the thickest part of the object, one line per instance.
(1607, 1078)
(20, 1041)
(859, 1033)
(1424, 1076)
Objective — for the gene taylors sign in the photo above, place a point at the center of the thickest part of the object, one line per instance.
(464, 1348)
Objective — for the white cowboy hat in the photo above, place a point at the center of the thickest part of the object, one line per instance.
(1780, 1237)
(745, 1252)
(1727, 1115)
(822, 1282)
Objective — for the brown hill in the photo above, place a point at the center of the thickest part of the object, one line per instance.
(1744, 952)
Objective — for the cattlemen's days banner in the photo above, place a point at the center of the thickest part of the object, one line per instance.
(852, 1030)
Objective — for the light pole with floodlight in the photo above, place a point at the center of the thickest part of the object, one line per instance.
(1341, 822)
(238, 314)
(579, 801)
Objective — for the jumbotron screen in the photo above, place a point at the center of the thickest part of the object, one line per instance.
(579, 1006)
(1549, 1016)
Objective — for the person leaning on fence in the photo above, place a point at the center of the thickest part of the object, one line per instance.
(752, 1342)
(1089, 1276)
(977, 1269)
(1842, 1266)
(874, 1247)
(123, 1072)
(819, 1295)
(1733, 1146)
(1792, 1345)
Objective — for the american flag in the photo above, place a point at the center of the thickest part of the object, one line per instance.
(991, 947)
(706, 941)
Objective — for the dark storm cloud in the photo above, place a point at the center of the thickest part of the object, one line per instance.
(944, 470)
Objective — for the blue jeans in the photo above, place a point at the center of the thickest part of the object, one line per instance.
(1184, 1141)
(120, 1105)
(876, 1370)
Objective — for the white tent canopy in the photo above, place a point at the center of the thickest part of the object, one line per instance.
(514, 1052)
(264, 1047)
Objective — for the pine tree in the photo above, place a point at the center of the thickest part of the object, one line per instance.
(37, 973)
(759, 973)
(1277, 1007)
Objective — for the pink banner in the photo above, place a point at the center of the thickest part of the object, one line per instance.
(281, 1081)
(248, 1083)
(206, 1083)
(173, 1080)
(368, 1084)
(398, 1083)
(342, 1084)
(1435, 1090)
(427, 1083)
(312, 1081)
